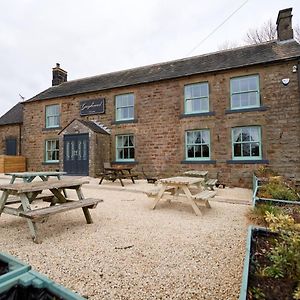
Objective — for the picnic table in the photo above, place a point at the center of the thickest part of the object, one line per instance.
(173, 185)
(28, 192)
(117, 172)
(29, 176)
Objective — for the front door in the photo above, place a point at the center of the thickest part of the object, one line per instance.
(76, 154)
(11, 146)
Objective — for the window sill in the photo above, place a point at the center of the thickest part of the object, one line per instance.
(130, 162)
(124, 122)
(51, 128)
(204, 114)
(206, 162)
(240, 110)
(50, 162)
(248, 161)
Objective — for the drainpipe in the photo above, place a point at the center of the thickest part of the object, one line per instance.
(20, 139)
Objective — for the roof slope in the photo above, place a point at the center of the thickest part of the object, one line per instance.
(13, 116)
(222, 60)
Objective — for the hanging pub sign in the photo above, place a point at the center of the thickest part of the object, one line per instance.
(92, 107)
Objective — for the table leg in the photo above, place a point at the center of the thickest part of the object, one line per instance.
(32, 226)
(86, 211)
(191, 200)
(3, 199)
(13, 178)
(159, 195)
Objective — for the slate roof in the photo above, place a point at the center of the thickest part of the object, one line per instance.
(13, 116)
(234, 58)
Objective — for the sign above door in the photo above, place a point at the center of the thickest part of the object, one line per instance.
(92, 107)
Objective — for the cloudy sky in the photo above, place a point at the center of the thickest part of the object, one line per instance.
(92, 37)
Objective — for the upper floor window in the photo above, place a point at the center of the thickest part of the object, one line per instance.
(246, 142)
(125, 147)
(52, 150)
(244, 92)
(196, 98)
(125, 107)
(197, 145)
(52, 116)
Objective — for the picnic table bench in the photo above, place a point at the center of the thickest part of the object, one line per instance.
(117, 172)
(28, 192)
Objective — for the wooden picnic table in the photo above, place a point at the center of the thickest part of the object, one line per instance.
(28, 192)
(117, 172)
(177, 184)
(29, 176)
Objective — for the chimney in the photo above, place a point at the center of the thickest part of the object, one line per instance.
(58, 75)
(284, 25)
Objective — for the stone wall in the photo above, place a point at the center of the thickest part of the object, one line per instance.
(159, 126)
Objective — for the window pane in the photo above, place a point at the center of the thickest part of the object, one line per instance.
(196, 105)
(254, 134)
(255, 149)
(237, 150)
(246, 149)
(205, 136)
(205, 150)
(198, 151)
(125, 107)
(246, 134)
(244, 84)
(190, 151)
(235, 86)
(190, 137)
(204, 105)
(244, 99)
(131, 140)
(236, 135)
(196, 91)
(252, 98)
(187, 92)
(204, 90)
(252, 81)
(235, 101)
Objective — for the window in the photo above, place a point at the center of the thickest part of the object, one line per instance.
(125, 107)
(196, 98)
(244, 92)
(246, 142)
(125, 147)
(197, 143)
(52, 116)
(52, 151)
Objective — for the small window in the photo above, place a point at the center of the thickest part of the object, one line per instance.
(52, 151)
(125, 107)
(244, 92)
(125, 148)
(246, 142)
(52, 116)
(197, 144)
(196, 98)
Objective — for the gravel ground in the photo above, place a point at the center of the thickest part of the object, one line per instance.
(133, 252)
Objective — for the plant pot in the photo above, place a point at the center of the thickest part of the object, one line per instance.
(255, 284)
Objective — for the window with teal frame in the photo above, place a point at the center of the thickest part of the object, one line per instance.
(125, 107)
(246, 143)
(197, 144)
(244, 92)
(52, 116)
(125, 147)
(196, 98)
(52, 151)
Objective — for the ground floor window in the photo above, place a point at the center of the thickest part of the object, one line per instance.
(246, 142)
(51, 151)
(197, 144)
(125, 147)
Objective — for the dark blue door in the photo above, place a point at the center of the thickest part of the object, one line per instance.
(76, 154)
(11, 146)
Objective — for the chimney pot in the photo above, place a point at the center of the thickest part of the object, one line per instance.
(58, 75)
(284, 25)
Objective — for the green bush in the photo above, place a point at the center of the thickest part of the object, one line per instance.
(277, 190)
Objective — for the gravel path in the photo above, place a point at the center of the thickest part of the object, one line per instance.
(133, 252)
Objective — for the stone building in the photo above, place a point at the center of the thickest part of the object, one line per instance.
(227, 112)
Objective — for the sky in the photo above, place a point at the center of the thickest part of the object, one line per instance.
(93, 37)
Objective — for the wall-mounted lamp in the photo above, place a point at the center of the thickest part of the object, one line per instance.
(285, 81)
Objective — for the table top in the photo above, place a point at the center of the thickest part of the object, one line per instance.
(196, 173)
(42, 185)
(42, 173)
(181, 180)
(118, 168)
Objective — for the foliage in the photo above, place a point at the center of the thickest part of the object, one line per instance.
(285, 255)
(257, 214)
(265, 171)
(256, 293)
(276, 189)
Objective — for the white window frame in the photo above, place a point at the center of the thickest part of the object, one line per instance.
(201, 144)
(52, 119)
(122, 105)
(250, 157)
(50, 149)
(244, 91)
(193, 98)
(120, 146)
